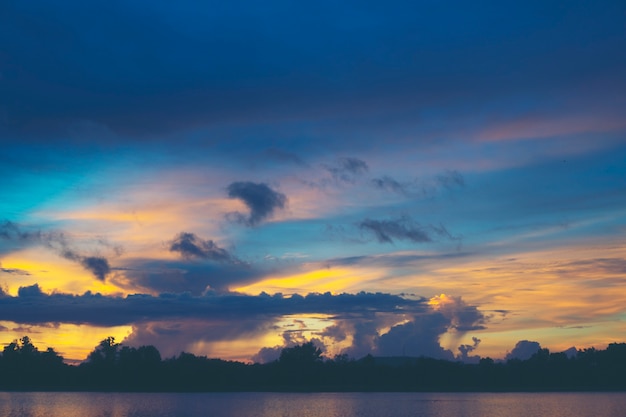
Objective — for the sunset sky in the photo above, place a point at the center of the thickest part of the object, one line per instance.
(395, 178)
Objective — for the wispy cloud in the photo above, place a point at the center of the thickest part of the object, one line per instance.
(60, 243)
(403, 228)
(347, 169)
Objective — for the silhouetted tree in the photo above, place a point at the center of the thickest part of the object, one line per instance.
(305, 354)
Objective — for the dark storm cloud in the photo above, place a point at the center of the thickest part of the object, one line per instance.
(32, 306)
(190, 246)
(260, 199)
(19, 236)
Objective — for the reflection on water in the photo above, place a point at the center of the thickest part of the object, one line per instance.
(28, 404)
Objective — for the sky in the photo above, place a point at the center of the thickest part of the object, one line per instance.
(440, 179)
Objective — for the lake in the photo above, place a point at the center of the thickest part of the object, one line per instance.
(34, 404)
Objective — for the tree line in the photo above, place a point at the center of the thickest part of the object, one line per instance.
(114, 367)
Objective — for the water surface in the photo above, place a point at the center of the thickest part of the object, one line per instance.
(28, 404)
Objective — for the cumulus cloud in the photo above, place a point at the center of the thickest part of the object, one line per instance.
(261, 200)
(462, 317)
(523, 350)
(190, 246)
(30, 291)
(418, 337)
(414, 334)
(465, 350)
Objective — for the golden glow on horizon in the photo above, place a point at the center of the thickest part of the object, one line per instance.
(73, 342)
(334, 280)
(240, 349)
(52, 273)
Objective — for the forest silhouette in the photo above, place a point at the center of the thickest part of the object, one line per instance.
(115, 367)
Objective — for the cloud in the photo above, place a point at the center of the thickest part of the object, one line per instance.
(347, 169)
(429, 187)
(178, 321)
(190, 246)
(393, 260)
(451, 179)
(97, 265)
(30, 291)
(414, 334)
(194, 276)
(32, 306)
(523, 350)
(280, 155)
(418, 337)
(404, 228)
(260, 199)
(13, 271)
(14, 232)
(59, 243)
(389, 184)
(465, 350)
(171, 337)
(462, 317)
